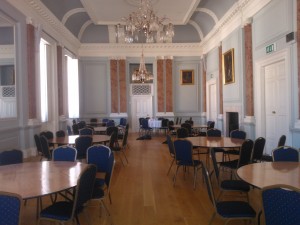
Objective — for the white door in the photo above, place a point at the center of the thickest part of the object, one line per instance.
(141, 106)
(212, 100)
(276, 104)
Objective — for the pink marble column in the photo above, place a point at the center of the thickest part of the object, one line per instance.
(169, 85)
(249, 70)
(160, 85)
(32, 114)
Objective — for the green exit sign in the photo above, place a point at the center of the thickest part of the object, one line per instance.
(270, 48)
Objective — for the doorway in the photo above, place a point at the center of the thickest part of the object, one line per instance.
(272, 98)
(211, 100)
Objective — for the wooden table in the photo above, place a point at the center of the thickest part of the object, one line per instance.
(194, 126)
(36, 179)
(269, 173)
(70, 140)
(215, 142)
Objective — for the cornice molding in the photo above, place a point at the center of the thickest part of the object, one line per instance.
(134, 50)
(51, 25)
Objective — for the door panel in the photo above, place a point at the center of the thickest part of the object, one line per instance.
(276, 104)
(140, 107)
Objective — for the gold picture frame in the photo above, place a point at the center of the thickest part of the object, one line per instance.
(228, 67)
(187, 77)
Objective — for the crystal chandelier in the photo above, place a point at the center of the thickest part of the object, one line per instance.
(144, 21)
(142, 75)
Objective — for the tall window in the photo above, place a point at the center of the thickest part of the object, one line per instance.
(43, 80)
(73, 92)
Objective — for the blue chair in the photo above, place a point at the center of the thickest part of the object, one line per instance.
(258, 149)
(45, 147)
(101, 156)
(281, 205)
(184, 157)
(60, 133)
(11, 157)
(110, 123)
(182, 132)
(227, 210)
(213, 132)
(64, 153)
(146, 131)
(123, 122)
(239, 134)
(86, 131)
(38, 145)
(228, 185)
(82, 143)
(171, 151)
(100, 191)
(65, 211)
(285, 154)
(10, 208)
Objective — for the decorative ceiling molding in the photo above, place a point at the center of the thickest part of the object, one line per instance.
(83, 27)
(209, 12)
(51, 25)
(190, 12)
(70, 13)
(134, 50)
(198, 29)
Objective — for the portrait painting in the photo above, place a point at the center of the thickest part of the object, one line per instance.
(228, 66)
(187, 77)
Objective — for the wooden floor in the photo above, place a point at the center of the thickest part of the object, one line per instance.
(143, 194)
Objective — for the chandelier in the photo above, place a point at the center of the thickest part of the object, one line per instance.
(142, 75)
(144, 21)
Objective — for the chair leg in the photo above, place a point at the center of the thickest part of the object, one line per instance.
(125, 156)
(170, 166)
(174, 177)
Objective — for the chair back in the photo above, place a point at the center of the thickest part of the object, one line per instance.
(10, 208)
(110, 130)
(182, 132)
(238, 134)
(171, 125)
(164, 123)
(110, 123)
(213, 132)
(245, 153)
(81, 124)
(13, 156)
(105, 120)
(183, 152)
(38, 144)
(177, 120)
(281, 205)
(113, 141)
(123, 122)
(210, 124)
(82, 143)
(45, 147)
(258, 149)
(281, 141)
(98, 155)
(64, 153)
(125, 137)
(60, 133)
(188, 126)
(144, 123)
(94, 120)
(170, 145)
(75, 129)
(86, 131)
(48, 134)
(84, 188)
(285, 154)
(214, 162)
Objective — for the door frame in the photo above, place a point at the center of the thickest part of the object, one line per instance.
(259, 89)
(209, 83)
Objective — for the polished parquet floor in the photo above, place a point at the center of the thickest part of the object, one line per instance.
(143, 194)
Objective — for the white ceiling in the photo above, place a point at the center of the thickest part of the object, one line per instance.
(111, 12)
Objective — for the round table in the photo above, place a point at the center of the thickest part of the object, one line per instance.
(270, 173)
(36, 179)
(70, 140)
(215, 142)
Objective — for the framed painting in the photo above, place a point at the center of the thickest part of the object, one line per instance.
(187, 77)
(228, 66)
